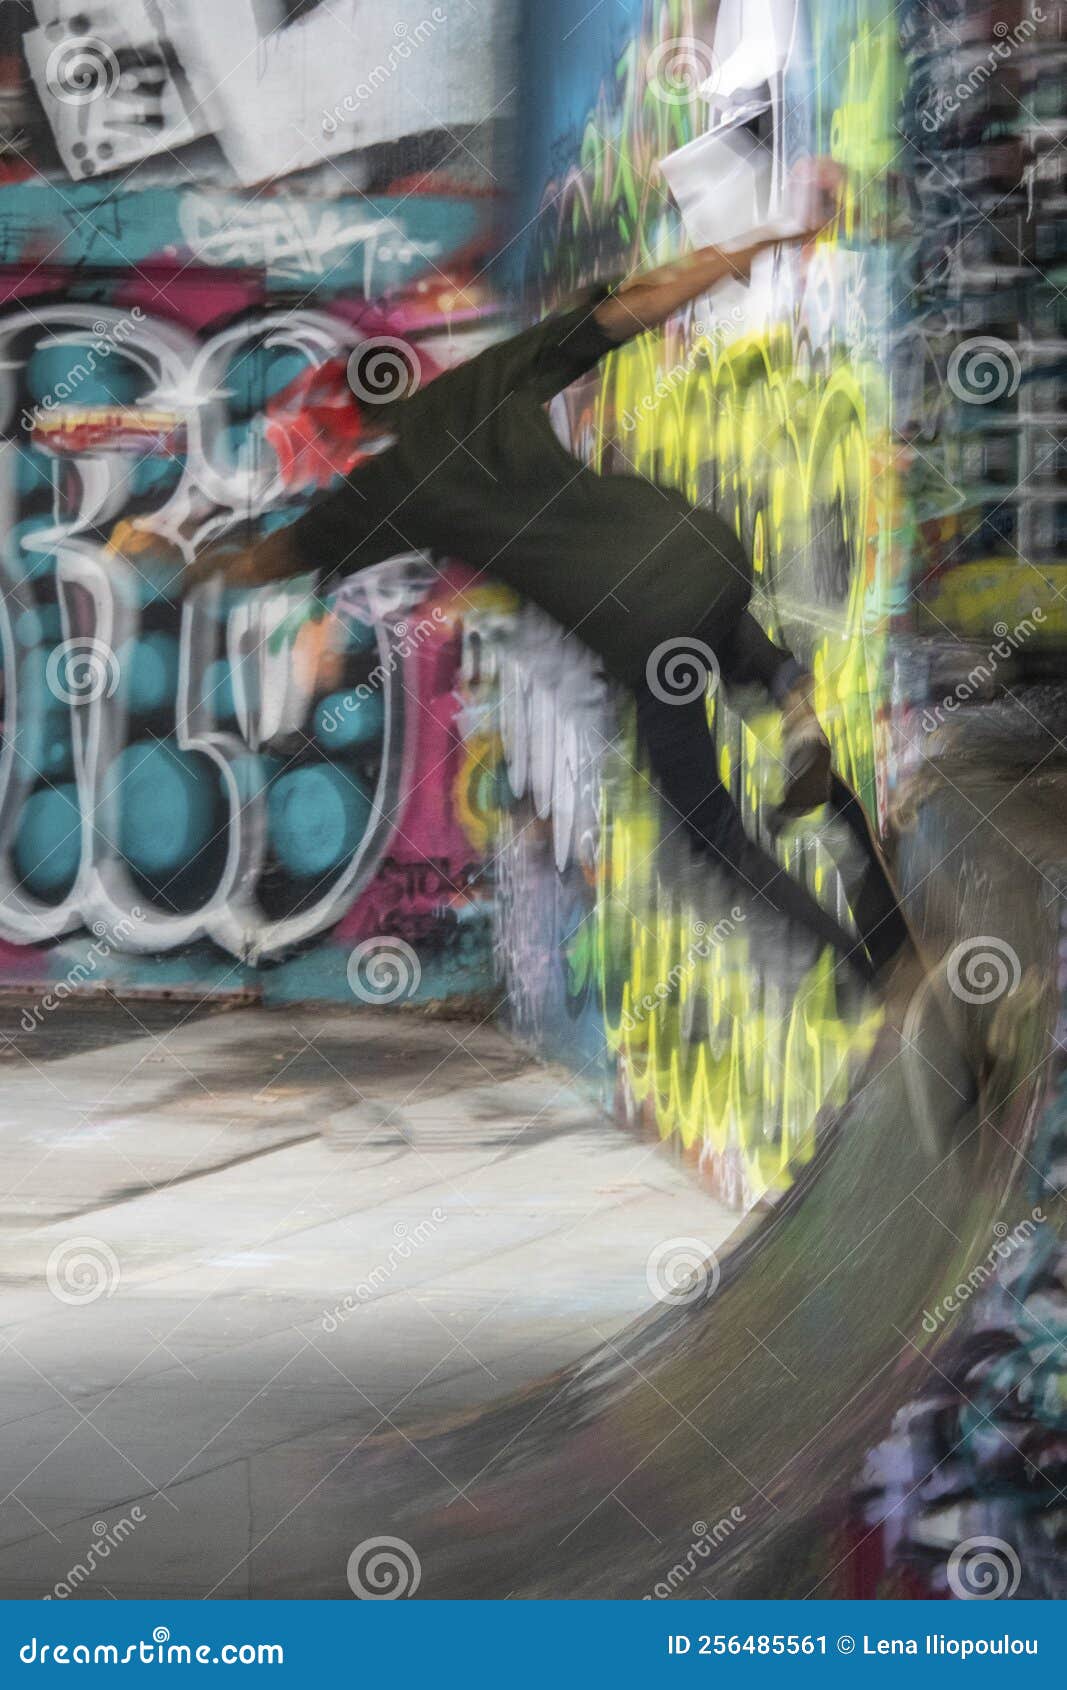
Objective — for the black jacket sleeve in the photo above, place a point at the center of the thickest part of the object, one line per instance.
(572, 342)
(373, 515)
(542, 361)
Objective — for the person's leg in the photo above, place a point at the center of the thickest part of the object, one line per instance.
(748, 657)
(681, 752)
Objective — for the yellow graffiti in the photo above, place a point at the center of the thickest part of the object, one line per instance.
(477, 800)
(720, 1055)
(860, 136)
(786, 433)
(973, 598)
(791, 454)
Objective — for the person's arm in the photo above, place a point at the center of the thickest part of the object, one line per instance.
(649, 299)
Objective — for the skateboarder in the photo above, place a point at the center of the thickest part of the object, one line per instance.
(468, 466)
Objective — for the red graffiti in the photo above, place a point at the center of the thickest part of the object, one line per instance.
(314, 426)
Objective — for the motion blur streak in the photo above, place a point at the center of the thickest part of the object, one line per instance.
(207, 211)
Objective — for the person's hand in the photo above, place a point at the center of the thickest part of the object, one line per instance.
(815, 190)
(816, 186)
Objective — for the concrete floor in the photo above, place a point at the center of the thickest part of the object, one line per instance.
(235, 1244)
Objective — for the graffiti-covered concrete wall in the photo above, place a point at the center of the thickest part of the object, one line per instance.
(874, 415)
(204, 212)
(982, 410)
(678, 122)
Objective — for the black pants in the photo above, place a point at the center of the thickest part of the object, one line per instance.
(680, 749)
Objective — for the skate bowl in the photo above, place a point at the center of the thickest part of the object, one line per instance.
(714, 1447)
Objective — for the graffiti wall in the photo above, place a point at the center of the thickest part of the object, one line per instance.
(205, 214)
(680, 123)
(983, 409)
